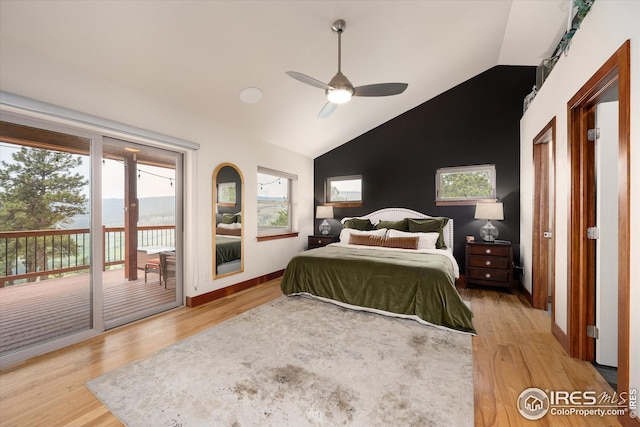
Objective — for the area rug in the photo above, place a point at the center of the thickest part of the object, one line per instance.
(298, 361)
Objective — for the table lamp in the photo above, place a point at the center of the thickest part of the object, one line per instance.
(324, 212)
(489, 211)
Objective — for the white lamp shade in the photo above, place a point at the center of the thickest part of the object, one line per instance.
(323, 212)
(489, 211)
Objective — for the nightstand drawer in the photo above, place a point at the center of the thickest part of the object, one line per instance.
(490, 250)
(319, 241)
(489, 274)
(501, 263)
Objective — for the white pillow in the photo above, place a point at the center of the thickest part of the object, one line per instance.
(232, 226)
(346, 232)
(426, 241)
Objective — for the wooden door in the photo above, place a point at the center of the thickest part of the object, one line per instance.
(543, 217)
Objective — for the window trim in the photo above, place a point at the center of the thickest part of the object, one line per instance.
(491, 168)
(342, 204)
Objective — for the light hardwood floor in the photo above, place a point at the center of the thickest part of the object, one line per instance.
(514, 350)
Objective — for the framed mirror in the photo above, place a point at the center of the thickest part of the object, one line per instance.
(227, 224)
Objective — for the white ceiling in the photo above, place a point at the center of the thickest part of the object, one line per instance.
(198, 55)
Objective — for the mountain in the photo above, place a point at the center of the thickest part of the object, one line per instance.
(153, 211)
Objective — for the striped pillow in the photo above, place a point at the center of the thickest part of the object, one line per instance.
(365, 239)
(401, 242)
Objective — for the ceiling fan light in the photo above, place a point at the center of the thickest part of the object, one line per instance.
(339, 96)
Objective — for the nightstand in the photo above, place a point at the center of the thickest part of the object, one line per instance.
(321, 240)
(489, 264)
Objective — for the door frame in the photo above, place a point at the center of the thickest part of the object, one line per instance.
(616, 70)
(540, 294)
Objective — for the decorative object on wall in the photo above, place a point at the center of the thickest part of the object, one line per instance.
(324, 212)
(529, 99)
(340, 90)
(544, 69)
(581, 8)
(489, 211)
(577, 12)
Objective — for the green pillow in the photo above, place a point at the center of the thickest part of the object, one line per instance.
(430, 225)
(228, 218)
(395, 225)
(358, 224)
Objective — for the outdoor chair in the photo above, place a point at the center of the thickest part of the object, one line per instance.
(153, 266)
(168, 264)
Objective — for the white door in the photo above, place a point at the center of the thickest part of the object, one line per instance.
(606, 153)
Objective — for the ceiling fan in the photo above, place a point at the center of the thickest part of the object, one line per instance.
(340, 90)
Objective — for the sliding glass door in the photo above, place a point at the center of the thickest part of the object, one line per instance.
(45, 240)
(141, 217)
(90, 234)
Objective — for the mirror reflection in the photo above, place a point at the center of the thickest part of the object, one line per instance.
(228, 225)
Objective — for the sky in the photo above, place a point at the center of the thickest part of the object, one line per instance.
(152, 181)
(272, 186)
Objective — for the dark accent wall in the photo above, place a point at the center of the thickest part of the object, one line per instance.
(476, 122)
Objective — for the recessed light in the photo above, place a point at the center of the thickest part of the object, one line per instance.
(131, 149)
(250, 95)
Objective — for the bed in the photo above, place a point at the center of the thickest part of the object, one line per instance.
(228, 245)
(402, 273)
(228, 253)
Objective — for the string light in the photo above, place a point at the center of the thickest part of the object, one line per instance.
(156, 175)
(269, 183)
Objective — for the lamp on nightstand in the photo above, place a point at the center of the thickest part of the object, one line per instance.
(489, 211)
(324, 212)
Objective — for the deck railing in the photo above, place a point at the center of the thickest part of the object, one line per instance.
(45, 253)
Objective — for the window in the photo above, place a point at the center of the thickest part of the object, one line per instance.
(344, 191)
(274, 202)
(227, 194)
(465, 184)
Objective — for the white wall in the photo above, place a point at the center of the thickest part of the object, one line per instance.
(609, 24)
(46, 81)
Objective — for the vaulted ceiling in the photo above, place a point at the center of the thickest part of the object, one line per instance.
(199, 55)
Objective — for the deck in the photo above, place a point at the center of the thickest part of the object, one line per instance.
(39, 311)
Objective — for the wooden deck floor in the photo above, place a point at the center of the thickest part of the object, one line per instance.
(40, 311)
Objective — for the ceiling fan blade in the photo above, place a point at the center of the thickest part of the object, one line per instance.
(308, 80)
(380, 89)
(327, 110)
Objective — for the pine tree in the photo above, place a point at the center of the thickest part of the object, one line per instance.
(39, 192)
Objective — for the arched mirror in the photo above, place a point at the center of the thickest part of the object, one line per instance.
(228, 185)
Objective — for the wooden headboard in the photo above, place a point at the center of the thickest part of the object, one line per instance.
(397, 214)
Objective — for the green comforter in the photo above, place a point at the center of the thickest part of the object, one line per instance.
(227, 249)
(402, 282)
